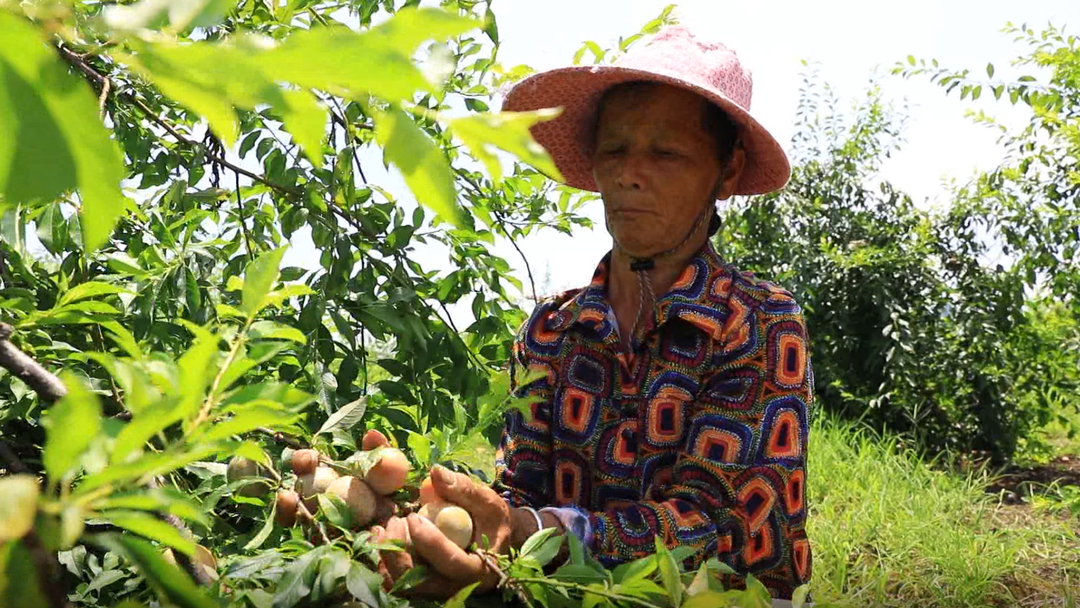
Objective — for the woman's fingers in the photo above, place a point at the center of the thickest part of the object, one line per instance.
(443, 555)
(489, 512)
(373, 439)
(397, 562)
(461, 490)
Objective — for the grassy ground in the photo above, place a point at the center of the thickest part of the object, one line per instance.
(888, 529)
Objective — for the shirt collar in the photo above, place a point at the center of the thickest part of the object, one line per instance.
(697, 296)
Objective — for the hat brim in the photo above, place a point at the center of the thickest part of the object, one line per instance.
(578, 90)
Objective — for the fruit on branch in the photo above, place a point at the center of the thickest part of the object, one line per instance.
(357, 495)
(427, 491)
(305, 461)
(388, 475)
(203, 559)
(453, 521)
(288, 503)
(242, 468)
(315, 482)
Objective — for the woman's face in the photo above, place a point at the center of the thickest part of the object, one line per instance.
(656, 166)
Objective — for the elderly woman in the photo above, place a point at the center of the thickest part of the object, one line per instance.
(673, 390)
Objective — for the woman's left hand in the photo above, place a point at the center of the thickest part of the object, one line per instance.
(452, 568)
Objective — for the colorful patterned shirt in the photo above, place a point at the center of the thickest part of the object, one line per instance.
(697, 434)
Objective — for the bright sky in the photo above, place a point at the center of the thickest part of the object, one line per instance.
(848, 38)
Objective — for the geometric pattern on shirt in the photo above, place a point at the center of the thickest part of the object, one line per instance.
(698, 437)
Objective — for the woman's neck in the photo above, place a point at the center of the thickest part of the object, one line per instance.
(624, 289)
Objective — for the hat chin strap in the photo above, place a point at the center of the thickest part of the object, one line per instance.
(642, 266)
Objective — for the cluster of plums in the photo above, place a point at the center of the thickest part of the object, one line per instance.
(362, 494)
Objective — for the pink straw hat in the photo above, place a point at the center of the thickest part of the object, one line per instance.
(674, 56)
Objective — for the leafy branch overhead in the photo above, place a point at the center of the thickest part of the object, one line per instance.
(163, 153)
(216, 78)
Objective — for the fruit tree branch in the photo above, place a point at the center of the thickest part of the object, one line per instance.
(46, 385)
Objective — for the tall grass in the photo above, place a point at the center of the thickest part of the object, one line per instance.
(888, 528)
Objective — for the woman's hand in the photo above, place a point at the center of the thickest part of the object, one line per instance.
(451, 567)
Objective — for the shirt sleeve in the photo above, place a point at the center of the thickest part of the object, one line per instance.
(736, 489)
(523, 457)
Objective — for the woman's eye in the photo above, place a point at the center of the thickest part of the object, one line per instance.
(665, 153)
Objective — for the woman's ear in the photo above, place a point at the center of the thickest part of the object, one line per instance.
(732, 171)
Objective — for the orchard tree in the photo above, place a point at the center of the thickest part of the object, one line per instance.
(166, 378)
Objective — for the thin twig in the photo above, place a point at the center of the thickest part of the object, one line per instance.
(351, 135)
(186, 563)
(492, 562)
(528, 268)
(105, 87)
(46, 385)
(280, 437)
(47, 568)
(243, 220)
(305, 515)
(15, 464)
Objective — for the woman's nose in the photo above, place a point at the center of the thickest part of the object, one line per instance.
(629, 174)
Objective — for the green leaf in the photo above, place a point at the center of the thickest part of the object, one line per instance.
(295, 584)
(71, 425)
(54, 140)
(196, 369)
(259, 278)
(708, 599)
(424, 167)
(151, 527)
(159, 499)
(458, 599)
(798, 599)
(305, 118)
(336, 510)
(700, 584)
(507, 131)
(669, 572)
(363, 584)
(990, 70)
(178, 15)
(170, 584)
(144, 425)
(19, 587)
(245, 420)
(264, 532)
(90, 289)
(148, 465)
(579, 573)
(635, 570)
(378, 61)
(18, 506)
(345, 418)
(542, 547)
(412, 577)
(272, 330)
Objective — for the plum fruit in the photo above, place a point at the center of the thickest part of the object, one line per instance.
(242, 468)
(389, 474)
(453, 521)
(357, 495)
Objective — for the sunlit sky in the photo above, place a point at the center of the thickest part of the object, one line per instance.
(848, 40)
